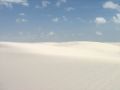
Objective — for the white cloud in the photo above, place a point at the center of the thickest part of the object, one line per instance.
(21, 20)
(45, 3)
(100, 20)
(70, 9)
(51, 33)
(116, 19)
(64, 18)
(58, 3)
(55, 19)
(37, 7)
(10, 3)
(22, 14)
(81, 19)
(114, 6)
(99, 33)
(20, 33)
(111, 5)
(64, 1)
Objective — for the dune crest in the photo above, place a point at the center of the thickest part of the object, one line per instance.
(87, 50)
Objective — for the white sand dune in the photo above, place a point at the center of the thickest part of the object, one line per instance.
(59, 66)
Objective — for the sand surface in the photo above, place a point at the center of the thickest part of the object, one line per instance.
(59, 66)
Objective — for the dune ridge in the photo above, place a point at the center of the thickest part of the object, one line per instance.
(87, 50)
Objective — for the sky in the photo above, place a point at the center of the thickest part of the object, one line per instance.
(60, 20)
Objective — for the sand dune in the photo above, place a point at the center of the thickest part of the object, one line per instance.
(59, 66)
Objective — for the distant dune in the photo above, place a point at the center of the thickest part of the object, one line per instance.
(60, 66)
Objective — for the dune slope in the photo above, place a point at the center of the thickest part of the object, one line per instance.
(59, 66)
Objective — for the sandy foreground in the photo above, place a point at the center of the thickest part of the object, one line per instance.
(59, 66)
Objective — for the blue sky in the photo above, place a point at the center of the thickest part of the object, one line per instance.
(60, 20)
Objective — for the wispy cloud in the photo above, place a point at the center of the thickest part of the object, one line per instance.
(37, 6)
(21, 14)
(99, 33)
(69, 9)
(56, 19)
(21, 20)
(116, 19)
(60, 19)
(45, 3)
(64, 1)
(64, 18)
(59, 2)
(51, 33)
(9, 3)
(81, 19)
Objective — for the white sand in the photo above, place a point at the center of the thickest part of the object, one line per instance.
(59, 66)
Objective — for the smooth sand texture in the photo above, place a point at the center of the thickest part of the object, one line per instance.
(59, 66)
